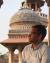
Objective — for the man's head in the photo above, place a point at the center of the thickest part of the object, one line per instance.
(37, 34)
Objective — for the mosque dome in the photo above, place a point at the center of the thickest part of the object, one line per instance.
(25, 15)
(28, 15)
(24, 19)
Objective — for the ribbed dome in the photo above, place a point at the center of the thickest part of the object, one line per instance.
(27, 15)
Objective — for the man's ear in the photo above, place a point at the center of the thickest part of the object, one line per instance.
(40, 37)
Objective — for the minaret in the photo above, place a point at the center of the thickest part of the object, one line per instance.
(48, 4)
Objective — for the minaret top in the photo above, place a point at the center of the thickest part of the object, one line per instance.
(33, 4)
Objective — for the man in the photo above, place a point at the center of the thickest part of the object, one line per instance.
(37, 51)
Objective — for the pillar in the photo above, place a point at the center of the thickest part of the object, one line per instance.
(49, 27)
(20, 54)
(35, 6)
(10, 55)
(48, 3)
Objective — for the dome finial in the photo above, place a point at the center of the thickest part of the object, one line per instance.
(26, 5)
(33, 4)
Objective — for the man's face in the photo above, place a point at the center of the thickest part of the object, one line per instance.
(34, 36)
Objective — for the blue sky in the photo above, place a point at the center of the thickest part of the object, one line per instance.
(9, 8)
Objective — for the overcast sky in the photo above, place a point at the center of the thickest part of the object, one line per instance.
(9, 8)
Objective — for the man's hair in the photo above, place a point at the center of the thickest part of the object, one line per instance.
(41, 30)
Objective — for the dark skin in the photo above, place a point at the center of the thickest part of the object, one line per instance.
(35, 37)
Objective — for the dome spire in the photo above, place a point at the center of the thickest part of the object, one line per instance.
(26, 5)
(33, 4)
